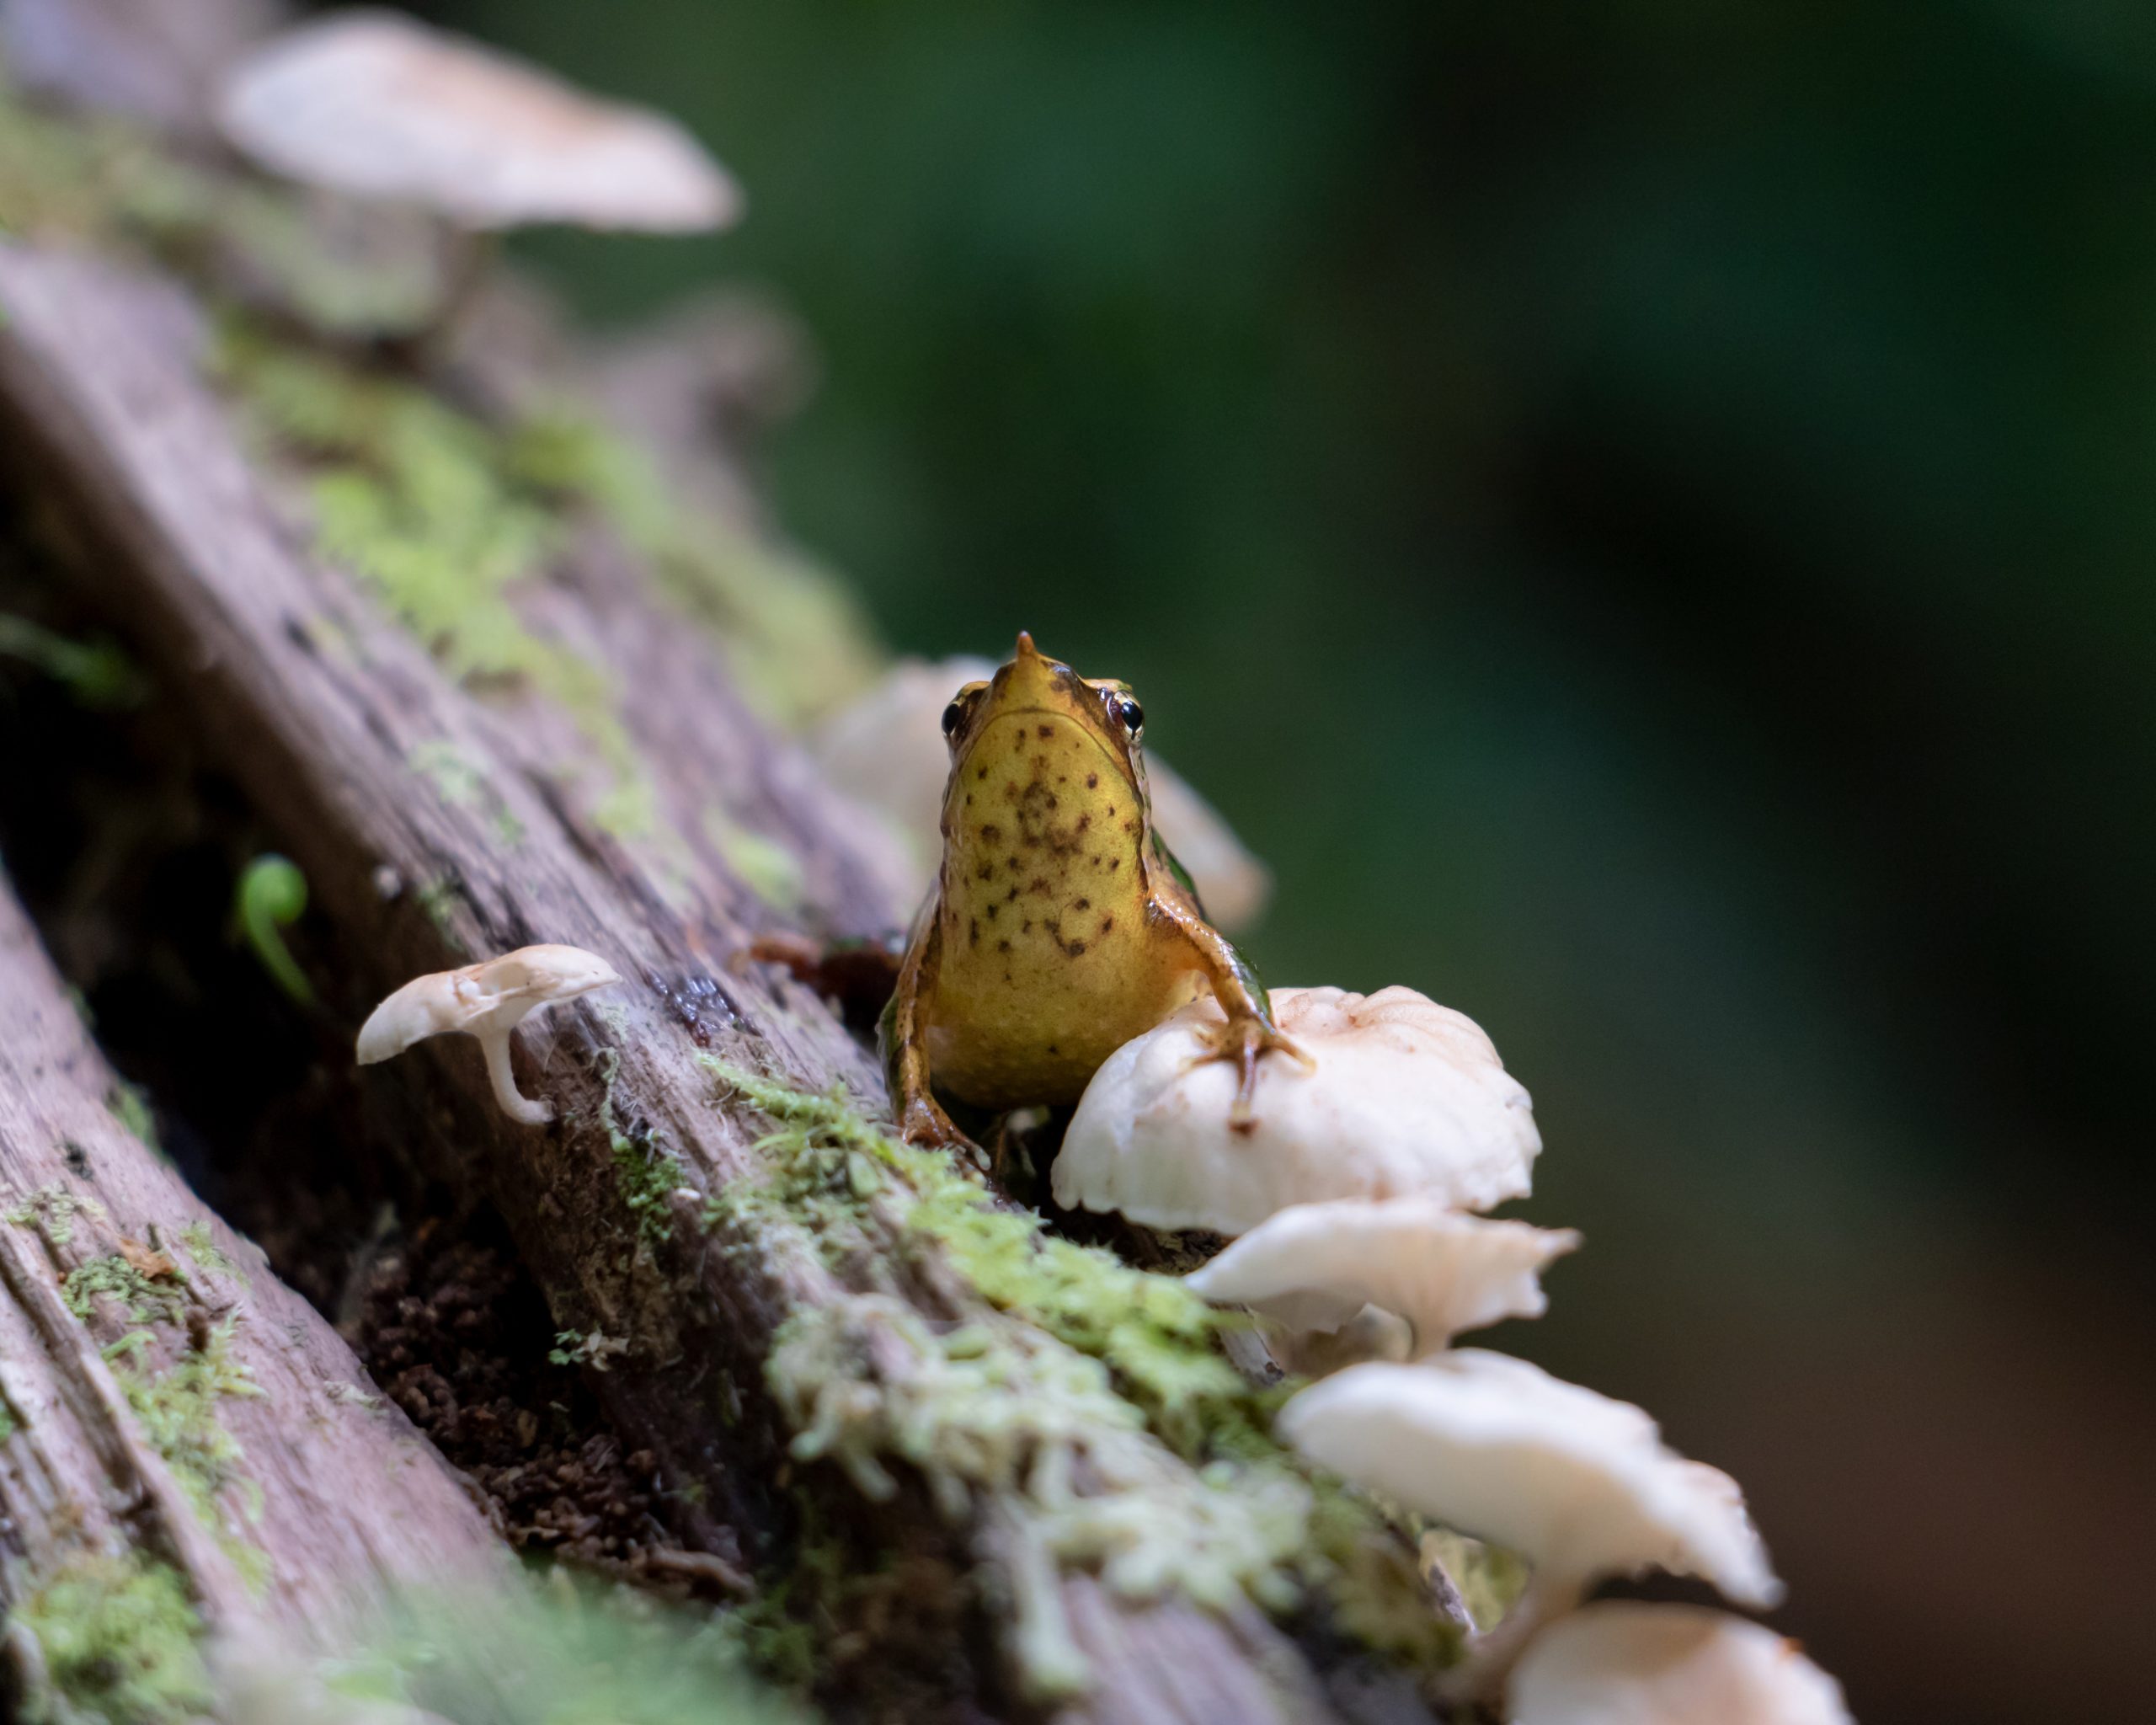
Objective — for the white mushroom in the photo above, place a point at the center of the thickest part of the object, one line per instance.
(1622, 1663)
(487, 1001)
(1580, 1485)
(887, 750)
(1406, 1097)
(375, 105)
(1315, 1267)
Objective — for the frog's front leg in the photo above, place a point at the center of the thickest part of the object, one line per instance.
(902, 1031)
(1250, 1031)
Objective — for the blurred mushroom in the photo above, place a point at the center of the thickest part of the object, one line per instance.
(1580, 1485)
(887, 750)
(1622, 1663)
(1316, 1266)
(487, 1001)
(374, 104)
(1405, 1098)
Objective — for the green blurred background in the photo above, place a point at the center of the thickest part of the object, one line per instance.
(1643, 514)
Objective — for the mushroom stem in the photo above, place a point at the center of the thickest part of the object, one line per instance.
(1491, 1657)
(495, 1042)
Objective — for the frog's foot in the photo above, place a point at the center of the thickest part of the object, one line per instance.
(1240, 1042)
(923, 1124)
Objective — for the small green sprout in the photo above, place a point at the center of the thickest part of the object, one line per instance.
(95, 672)
(270, 898)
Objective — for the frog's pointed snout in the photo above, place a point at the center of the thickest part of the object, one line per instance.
(1025, 648)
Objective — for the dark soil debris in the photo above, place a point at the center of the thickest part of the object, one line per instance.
(457, 1338)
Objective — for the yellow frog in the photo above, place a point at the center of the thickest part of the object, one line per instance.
(1061, 926)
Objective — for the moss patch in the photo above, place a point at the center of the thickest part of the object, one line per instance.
(53, 1209)
(176, 1408)
(129, 1105)
(646, 1170)
(144, 1299)
(118, 1638)
(796, 641)
(195, 1239)
(1090, 1371)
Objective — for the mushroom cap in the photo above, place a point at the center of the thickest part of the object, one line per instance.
(1623, 1663)
(373, 104)
(1316, 1266)
(496, 994)
(1406, 1099)
(887, 749)
(1580, 1485)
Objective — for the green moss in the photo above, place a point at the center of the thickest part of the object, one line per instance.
(421, 501)
(53, 1209)
(646, 1172)
(1089, 1370)
(113, 1278)
(439, 900)
(460, 782)
(194, 1239)
(10, 1421)
(797, 642)
(556, 1652)
(766, 867)
(129, 1105)
(176, 1409)
(120, 1641)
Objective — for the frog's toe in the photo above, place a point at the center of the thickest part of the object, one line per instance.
(1241, 1042)
(925, 1125)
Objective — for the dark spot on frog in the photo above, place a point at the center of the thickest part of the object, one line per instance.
(1114, 863)
(1111, 811)
(1107, 923)
(986, 870)
(1009, 895)
(1076, 948)
(1130, 827)
(1053, 1049)
(1084, 905)
(1093, 783)
(1002, 946)
(1027, 927)
(1045, 730)
(1084, 821)
(1038, 884)
(990, 834)
(981, 773)
(973, 931)
(992, 910)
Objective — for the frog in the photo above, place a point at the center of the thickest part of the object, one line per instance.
(1059, 926)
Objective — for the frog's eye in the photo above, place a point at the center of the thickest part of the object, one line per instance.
(1129, 713)
(954, 715)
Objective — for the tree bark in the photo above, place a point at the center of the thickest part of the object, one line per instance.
(165, 1393)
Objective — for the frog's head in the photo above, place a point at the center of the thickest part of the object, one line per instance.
(1048, 691)
(1037, 726)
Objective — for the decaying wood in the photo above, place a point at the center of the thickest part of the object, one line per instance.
(317, 705)
(333, 1499)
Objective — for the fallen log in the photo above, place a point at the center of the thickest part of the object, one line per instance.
(180, 1433)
